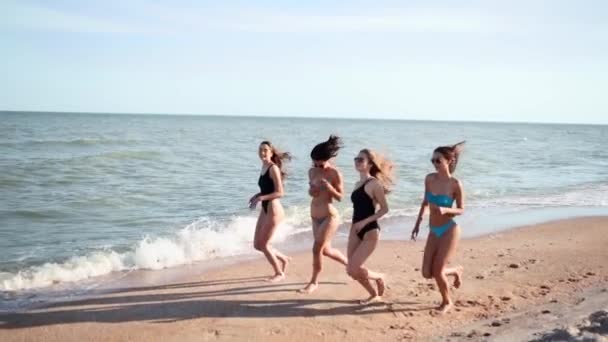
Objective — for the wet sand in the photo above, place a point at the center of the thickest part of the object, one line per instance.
(521, 284)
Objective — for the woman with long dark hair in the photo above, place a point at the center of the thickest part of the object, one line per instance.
(441, 191)
(325, 186)
(271, 214)
(369, 205)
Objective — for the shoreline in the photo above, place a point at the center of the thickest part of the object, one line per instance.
(507, 274)
(296, 244)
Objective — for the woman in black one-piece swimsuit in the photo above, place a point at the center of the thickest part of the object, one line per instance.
(271, 214)
(375, 179)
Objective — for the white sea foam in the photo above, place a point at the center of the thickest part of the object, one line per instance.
(206, 239)
(201, 240)
(595, 195)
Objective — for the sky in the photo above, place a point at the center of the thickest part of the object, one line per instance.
(516, 60)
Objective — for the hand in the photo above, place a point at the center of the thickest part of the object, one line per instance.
(415, 232)
(443, 211)
(253, 201)
(358, 226)
(325, 184)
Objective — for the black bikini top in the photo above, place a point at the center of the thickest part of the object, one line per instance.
(265, 182)
(363, 204)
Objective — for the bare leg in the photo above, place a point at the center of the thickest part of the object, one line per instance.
(430, 250)
(335, 254)
(283, 259)
(327, 233)
(262, 243)
(456, 272)
(446, 249)
(323, 234)
(355, 267)
(316, 258)
(353, 244)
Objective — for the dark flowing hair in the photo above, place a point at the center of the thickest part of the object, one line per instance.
(278, 157)
(382, 169)
(327, 149)
(451, 154)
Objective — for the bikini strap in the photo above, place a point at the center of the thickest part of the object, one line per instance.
(365, 183)
(268, 169)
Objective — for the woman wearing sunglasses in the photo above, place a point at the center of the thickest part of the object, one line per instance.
(325, 186)
(441, 190)
(271, 189)
(375, 179)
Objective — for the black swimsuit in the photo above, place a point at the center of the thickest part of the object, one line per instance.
(363, 207)
(266, 187)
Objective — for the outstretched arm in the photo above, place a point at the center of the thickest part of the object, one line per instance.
(423, 206)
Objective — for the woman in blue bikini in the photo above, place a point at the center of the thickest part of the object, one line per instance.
(441, 190)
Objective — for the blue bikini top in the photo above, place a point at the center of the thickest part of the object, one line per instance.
(439, 200)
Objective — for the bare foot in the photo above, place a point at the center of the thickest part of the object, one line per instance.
(381, 287)
(276, 278)
(445, 307)
(458, 277)
(284, 264)
(310, 288)
(370, 300)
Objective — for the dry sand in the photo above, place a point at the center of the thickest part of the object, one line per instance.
(526, 283)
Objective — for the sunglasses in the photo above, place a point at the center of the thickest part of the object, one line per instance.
(318, 164)
(436, 160)
(359, 159)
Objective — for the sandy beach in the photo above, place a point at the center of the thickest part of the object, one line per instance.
(535, 282)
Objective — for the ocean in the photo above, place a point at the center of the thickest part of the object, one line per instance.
(83, 196)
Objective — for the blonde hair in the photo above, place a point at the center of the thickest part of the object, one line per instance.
(382, 168)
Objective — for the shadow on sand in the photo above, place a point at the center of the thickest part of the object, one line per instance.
(120, 307)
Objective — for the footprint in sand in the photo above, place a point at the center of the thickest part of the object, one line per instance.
(473, 334)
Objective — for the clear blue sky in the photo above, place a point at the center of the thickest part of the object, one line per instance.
(516, 60)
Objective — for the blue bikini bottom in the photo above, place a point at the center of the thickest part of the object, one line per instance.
(440, 230)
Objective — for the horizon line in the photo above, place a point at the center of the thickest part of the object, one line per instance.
(266, 116)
